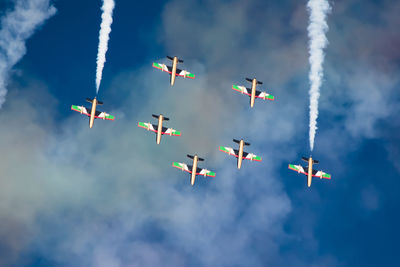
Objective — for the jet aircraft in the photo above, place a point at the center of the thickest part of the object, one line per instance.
(253, 92)
(240, 154)
(173, 70)
(193, 169)
(92, 112)
(308, 171)
(159, 129)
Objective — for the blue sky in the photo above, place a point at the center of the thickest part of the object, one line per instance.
(108, 196)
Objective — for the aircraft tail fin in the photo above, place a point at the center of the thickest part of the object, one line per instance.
(192, 157)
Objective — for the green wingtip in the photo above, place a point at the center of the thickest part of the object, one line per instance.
(211, 173)
(328, 176)
(292, 166)
(270, 97)
(190, 75)
(176, 164)
(222, 148)
(257, 158)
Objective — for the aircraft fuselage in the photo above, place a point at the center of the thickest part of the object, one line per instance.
(253, 92)
(93, 113)
(173, 72)
(240, 154)
(194, 170)
(159, 128)
(309, 175)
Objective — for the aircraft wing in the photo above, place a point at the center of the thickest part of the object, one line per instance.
(304, 170)
(297, 168)
(162, 67)
(182, 166)
(241, 89)
(321, 174)
(188, 168)
(103, 116)
(184, 74)
(235, 152)
(170, 131)
(205, 172)
(229, 151)
(251, 156)
(148, 126)
(264, 95)
(81, 109)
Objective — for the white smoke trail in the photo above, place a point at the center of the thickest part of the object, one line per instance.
(104, 36)
(16, 27)
(317, 28)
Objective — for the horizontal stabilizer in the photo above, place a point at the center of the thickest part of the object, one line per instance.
(192, 157)
(99, 103)
(238, 142)
(89, 100)
(251, 80)
(171, 58)
(306, 160)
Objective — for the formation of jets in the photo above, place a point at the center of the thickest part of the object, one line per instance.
(160, 130)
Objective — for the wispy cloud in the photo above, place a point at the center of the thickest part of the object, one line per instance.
(17, 26)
